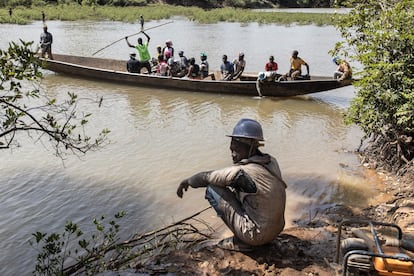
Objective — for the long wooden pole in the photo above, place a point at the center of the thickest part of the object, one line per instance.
(131, 35)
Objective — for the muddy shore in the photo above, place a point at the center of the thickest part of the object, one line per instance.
(309, 249)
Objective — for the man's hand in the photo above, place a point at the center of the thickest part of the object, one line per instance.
(196, 181)
(183, 186)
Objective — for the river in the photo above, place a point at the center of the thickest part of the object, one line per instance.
(159, 137)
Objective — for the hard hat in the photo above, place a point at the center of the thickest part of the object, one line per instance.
(248, 128)
(241, 54)
(203, 54)
(168, 42)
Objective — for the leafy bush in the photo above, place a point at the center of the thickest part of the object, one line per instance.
(56, 251)
(379, 34)
(44, 118)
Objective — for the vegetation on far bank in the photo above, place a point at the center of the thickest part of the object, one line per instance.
(71, 12)
(206, 4)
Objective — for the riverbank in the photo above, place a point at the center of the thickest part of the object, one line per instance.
(308, 249)
(72, 12)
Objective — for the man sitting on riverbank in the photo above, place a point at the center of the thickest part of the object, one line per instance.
(249, 196)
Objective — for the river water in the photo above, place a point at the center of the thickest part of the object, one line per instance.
(159, 137)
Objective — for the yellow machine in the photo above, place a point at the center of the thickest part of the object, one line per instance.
(373, 251)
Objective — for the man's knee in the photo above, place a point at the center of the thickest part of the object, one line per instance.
(213, 195)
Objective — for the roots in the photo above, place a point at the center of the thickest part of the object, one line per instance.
(395, 155)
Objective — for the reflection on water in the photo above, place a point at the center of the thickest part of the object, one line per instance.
(158, 137)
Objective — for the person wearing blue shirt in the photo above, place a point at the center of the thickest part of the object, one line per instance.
(226, 69)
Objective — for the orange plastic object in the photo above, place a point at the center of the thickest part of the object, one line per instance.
(389, 267)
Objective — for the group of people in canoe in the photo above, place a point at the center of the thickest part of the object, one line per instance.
(164, 63)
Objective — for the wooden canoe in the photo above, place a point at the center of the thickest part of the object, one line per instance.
(115, 71)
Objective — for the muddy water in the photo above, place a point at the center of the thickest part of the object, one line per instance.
(159, 137)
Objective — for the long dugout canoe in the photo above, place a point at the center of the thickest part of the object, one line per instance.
(115, 71)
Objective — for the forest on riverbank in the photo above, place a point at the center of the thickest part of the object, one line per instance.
(207, 4)
(73, 12)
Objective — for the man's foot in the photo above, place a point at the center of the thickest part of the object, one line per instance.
(234, 244)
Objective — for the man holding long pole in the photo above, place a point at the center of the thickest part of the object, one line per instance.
(144, 56)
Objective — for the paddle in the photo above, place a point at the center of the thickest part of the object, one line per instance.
(132, 35)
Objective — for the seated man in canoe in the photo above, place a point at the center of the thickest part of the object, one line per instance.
(270, 73)
(343, 71)
(239, 65)
(193, 70)
(295, 72)
(205, 67)
(226, 69)
(133, 65)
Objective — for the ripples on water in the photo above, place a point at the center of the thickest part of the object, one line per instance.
(159, 137)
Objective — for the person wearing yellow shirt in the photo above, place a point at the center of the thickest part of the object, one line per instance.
(296, 64)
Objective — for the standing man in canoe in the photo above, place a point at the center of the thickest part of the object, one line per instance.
(144, 56)
(46, 40)
(249, 196)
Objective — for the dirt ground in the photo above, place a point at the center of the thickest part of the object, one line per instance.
(306, 250)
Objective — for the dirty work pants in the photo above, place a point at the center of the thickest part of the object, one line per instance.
(231, 211)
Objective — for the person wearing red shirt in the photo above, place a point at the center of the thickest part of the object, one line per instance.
(271, 71)
(271, 65)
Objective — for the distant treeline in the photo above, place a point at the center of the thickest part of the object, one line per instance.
(206, 4)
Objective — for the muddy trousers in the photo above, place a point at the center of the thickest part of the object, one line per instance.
(231, 211)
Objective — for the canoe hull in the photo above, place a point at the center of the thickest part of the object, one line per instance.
(115, 71)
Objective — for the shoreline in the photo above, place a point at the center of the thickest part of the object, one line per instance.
(306, 249)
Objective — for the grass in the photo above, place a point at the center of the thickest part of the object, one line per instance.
(72, 12)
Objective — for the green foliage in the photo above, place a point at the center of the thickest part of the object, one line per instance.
(157, 12)
(380, 36)
(55, 250)
(24, 108)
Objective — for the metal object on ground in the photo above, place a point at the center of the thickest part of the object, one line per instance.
(368, 255)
